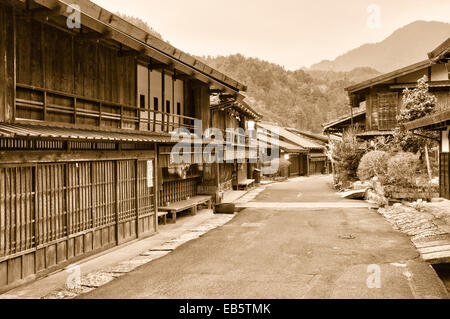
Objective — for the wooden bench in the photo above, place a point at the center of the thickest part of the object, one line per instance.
(246, 183)
(190, 204)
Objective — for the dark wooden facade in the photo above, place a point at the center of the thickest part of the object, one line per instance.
(439, 121)
(381, 97)
(229, 119)
(85, 117)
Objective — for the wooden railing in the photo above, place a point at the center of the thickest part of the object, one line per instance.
(55, 106)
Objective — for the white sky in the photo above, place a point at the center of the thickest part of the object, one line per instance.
(292, 33)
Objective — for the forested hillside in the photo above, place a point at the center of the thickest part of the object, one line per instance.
(301, 99)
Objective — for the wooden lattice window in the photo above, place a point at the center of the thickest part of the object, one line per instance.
(387, 110)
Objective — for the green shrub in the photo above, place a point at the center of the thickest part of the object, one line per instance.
(373, 164)
(346, 155)
(402, 169)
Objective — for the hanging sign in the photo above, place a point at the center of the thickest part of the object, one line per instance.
(149, 173)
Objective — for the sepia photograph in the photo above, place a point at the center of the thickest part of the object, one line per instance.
(224, 156)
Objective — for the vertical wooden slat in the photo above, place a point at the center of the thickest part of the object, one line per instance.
(8, 211)
(136, 196)
(16, 191)
(116, 182)
(23, 224)
(3, 211)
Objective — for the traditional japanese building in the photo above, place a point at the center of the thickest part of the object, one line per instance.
(307, 157)
(86, 115)
(439, 122)
(375, 103)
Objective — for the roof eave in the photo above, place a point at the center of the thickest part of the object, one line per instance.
(99, 19)
(387, 76)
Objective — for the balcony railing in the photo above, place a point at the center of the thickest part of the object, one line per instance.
(34, 103)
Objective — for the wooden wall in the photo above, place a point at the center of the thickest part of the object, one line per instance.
(53, 59)
(64, 78)
(53, 213)
(201, 103)
(382, 107)
(7, 73)
(380, 97)
(443, 98)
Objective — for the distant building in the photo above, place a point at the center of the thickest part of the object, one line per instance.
(307, 157)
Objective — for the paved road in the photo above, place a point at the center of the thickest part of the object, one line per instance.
(288, 253)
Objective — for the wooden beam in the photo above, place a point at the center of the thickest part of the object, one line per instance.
(94, 35)
(183, 76)
(132, 53)
(42, 12)
(160, 66)
(227, 96)
(434, 84)
(215, 91)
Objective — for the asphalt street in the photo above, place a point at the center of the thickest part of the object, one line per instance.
(288, 252)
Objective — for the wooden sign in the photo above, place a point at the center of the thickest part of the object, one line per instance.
(150, 173)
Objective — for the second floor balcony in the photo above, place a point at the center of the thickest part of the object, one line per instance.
(42, 105)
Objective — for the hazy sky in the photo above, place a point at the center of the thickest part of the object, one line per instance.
(292, 33)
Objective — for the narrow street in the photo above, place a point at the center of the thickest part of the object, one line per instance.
(293, 252)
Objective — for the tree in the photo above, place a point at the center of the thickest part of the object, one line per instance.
(417, 104)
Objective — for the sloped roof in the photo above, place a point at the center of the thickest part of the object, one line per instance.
(343, 119)
(289, 136)
(21, 130)
(439, 120)
(441, 54)
(314, 136)
(285, 146)
(388, 76)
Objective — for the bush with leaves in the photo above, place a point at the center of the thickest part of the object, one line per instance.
(417, 103)
(402, 169)
(373, 164)
(346, 155)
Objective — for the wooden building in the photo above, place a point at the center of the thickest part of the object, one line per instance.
(380, 99)
(307, 157)
(235, 119)
(357, 119)
(439, 122)
(321, 162)
(85, 121)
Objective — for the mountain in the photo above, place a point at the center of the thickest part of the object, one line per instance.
(300, 99)
(407, 45)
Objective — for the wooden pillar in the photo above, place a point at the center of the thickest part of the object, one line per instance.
(14, 66)
(308, 173)
(116, 181)
(136, 195)
(155, 186)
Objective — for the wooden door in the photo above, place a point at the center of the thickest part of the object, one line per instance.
(126, 201)
(146, 174)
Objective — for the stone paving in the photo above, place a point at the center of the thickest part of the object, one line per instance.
(420, 220)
